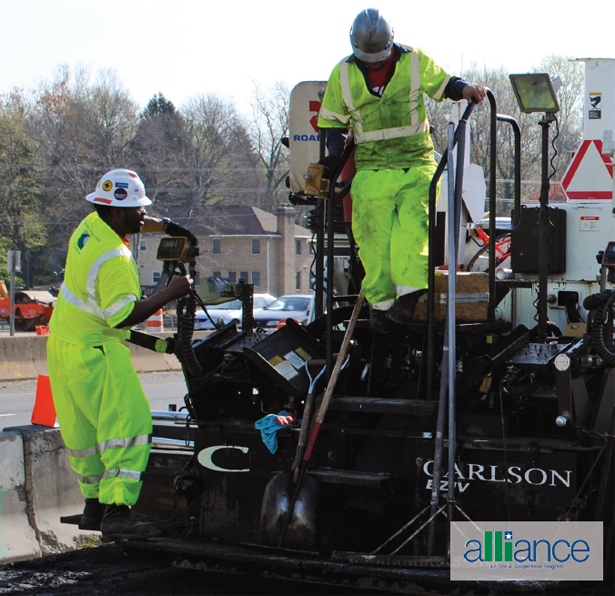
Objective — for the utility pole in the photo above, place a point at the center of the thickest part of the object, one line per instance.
(14, 265)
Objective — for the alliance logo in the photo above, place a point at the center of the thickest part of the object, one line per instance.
(494, 549)
(520, 551)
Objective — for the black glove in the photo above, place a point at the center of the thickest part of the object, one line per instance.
(330, 162)
(173, 229)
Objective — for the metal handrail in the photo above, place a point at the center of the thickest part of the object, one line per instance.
(431, 265)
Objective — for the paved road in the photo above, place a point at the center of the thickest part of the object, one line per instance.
(17, 397)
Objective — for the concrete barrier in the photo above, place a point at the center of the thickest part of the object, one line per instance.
(23, 358)
(39, 354)
(51, 489)
(16, 358)
(17, 537)
(145, 360)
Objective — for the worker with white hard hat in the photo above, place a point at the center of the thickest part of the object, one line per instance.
(104, 416)
(377, 92)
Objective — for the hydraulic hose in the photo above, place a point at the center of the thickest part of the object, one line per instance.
(602, 304)
(595, 300)
(185, 323)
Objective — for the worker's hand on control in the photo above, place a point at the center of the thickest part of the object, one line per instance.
(179, 286)
(330, 162)
(173, 229)
(475, 93)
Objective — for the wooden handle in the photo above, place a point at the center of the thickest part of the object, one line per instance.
(340, 359)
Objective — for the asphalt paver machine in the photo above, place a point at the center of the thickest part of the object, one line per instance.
(468, 413)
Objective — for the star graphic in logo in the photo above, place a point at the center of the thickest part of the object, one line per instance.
(507, 535)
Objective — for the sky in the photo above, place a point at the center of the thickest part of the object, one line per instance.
(188, 48)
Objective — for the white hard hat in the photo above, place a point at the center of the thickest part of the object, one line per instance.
(120, 188)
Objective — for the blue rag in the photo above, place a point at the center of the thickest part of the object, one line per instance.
(269, 426)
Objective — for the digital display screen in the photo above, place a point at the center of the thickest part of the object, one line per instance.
(171, 249)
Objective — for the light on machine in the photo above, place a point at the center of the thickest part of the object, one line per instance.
(535, 92)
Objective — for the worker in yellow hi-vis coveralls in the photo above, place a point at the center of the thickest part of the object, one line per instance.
(104, 416)
(378, 93)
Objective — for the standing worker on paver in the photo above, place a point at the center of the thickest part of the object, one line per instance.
(378, 93)
(104, 416)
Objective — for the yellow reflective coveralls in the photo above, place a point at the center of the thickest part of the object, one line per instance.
(395, 165)
(104, 416)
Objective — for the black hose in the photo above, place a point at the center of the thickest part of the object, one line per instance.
(185, 331)
(595, 300)
(599, 325)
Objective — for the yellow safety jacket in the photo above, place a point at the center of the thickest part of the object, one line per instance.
(392, 131)
(101, 285)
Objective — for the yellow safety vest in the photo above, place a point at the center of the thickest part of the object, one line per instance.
(101, 285)
(391, 131)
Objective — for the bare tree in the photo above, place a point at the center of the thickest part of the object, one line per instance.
(269, 126)
(218, 155)
(569, 120)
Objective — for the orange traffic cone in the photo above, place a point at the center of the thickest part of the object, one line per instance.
(44, 411)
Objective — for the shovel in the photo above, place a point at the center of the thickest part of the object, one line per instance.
(280, 511)
(307, 415)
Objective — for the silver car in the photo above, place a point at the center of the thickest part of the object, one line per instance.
(229, 311)
(294, 306)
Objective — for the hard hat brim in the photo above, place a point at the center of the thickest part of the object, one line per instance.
(377, 57)
(94, 198)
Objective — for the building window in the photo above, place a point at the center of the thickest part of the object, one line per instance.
(256, 247)
(217, 274)
(310, 249)
(298, 280)
(298, 247)
(142, 245)
(215, 248)
(155, 277)
(244, 275)
(256, 278)
(232, 277)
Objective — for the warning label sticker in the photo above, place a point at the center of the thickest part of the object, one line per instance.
(590, 223)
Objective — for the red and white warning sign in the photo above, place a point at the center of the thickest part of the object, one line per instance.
(589, 176)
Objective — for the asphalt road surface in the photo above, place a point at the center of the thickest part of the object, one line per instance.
(17, 397)
(109, 570)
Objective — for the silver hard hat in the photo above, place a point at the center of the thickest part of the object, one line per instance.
(371, 36)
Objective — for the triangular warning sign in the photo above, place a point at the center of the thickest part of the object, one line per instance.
(589, 176)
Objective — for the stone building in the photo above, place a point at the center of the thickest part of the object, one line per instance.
(240, 241)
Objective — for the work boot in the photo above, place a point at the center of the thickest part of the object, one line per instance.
(402, 312)
(92, 515)
(379, 323)
(119, 522)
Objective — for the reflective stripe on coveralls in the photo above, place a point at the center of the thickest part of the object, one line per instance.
(118, 473)
(111, 444)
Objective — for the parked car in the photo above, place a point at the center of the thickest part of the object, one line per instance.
(296, 306)
(229, 311)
